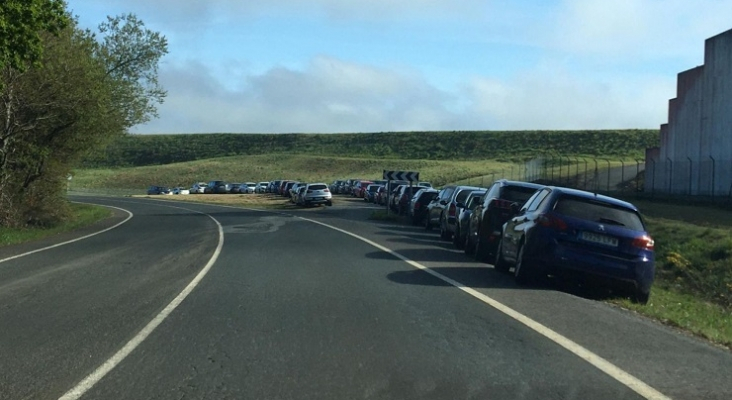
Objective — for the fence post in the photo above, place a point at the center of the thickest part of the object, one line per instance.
(585, 185)
(608, 174)
(622, 171)
(653, 181)
(670, 174)
(597, 176)
(713, 174)
(690, 165)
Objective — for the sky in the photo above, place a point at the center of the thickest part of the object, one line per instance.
(341, 66)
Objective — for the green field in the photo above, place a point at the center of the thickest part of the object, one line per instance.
(82, 215)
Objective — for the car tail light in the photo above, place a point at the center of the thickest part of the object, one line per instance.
(326, 190)
(551, 221)
(416, 206)
(451, 210)
(644, 242)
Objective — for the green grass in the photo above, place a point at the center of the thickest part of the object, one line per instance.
(82, 215)
(710, 321)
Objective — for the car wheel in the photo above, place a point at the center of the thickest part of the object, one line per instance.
(522, 272)
(329, 203)
(456, 238)
(468, 246)
(481, 250)
(444, 235)
(500, 264)
(427, 224)
(641, 297)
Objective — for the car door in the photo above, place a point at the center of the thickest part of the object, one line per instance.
(515, 228)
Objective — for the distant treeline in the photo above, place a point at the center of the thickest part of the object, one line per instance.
(138, 150)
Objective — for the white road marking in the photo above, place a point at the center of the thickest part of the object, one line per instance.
(92, 379)
(129, 216)
(598, 362)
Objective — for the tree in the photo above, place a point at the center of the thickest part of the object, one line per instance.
(21, 24)
(88, 92)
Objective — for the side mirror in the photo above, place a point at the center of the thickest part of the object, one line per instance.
(443, 202)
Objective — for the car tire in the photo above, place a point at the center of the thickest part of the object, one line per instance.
(523, 273)
(481, 250)
(468, 246)
(456, 238)
(444, 234)
(641, 297)
(500, 264)
(427, 224)
(329, 203)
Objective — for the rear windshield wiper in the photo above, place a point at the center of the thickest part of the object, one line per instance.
(610, 221)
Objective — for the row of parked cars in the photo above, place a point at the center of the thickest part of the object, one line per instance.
(301, 193)
(538, 231)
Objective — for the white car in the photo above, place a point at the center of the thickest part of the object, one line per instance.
(316, 193)
(261, 187)
(199, 187)
(247, 187)
(181, 190)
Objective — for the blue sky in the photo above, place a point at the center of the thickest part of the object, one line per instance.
(281, 66)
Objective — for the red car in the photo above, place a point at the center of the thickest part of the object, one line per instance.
(360, 189)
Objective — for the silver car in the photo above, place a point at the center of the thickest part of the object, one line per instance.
(199, 187)
(316, 193)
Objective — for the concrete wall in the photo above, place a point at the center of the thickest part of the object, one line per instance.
(695, 156)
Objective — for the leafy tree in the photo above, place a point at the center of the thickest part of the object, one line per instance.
(21, 24)
(88, 92)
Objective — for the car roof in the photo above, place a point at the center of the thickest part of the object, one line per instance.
(596, 196)
(531, 185)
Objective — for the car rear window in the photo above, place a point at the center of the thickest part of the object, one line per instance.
(462, 195)
(317, 187)
(598, 211)
(517, 194)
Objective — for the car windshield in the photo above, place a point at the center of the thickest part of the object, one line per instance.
(317, 187)
(517, 194)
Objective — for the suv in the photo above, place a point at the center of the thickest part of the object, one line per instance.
(217, 187)
(484, 229)
(316, 193)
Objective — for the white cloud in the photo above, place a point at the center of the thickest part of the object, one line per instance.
(329, 95)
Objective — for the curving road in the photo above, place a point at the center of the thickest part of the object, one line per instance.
(193, 301)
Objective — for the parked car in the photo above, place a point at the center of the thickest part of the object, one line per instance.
(464, 210)
(261, 187)
(217, 187)
(381, 195)
(293, 190)
(298, 195)
(155, 190)
(317, 193)
(283, 186)
(286, 189)
(560, 231)
(400, 201)
(274, 186)
(359, 188)
(248, 187)
(370, 193)
(484, 229)
(334, 186)
(418, 204)
(180, 190)
(424, 184)
(235, 188)
(199, 187)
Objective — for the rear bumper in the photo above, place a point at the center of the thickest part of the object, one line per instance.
(558, 258)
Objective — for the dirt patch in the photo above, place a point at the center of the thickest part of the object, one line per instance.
(267, 200)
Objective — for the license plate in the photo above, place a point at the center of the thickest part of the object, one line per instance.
(600, 239)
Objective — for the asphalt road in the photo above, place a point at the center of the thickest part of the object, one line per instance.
(280, 306)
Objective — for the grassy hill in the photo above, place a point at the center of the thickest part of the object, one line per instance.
(139, 150)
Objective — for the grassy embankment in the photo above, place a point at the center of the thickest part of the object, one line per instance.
(82, 215)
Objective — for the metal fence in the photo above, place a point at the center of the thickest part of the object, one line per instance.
(592, 174)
